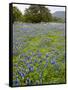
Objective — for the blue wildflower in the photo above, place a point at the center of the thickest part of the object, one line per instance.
(22, 55)
(28, 65)
(25, 28)
(47, 55)
(45, 65)
(30, 62)
(16, 82)
(35, 61)
(28, 57)
(39, 55)
(31, 68)
(53, 62)
(23, 61)
(21, 74)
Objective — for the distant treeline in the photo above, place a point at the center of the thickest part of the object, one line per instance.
(34, 14)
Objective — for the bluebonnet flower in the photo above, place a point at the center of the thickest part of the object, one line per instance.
(33, 54)
(23, 61)
(28, 65)
(25, 28)
(31, 68)
(22, 55)
(16, 82)
(21, 74)
(47, 55)
(53, 62)
(35, 61)
(39, 55)
(30, 62)
(28, 57)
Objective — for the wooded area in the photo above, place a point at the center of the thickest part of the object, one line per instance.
(34, 14)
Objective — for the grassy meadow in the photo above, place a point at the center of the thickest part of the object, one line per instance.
(38, 53)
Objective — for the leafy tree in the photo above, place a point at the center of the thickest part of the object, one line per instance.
(17, 15)
(37, 13)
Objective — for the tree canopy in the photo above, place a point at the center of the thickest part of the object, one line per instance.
(37, 13)
(33, 14)
(17, 15)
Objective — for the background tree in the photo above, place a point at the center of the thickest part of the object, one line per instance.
(17, 15)
(37, 13)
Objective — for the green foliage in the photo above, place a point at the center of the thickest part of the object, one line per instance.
(37, 13)
(17, 15)
(60, 20)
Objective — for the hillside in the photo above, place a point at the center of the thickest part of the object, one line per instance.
(59, 14)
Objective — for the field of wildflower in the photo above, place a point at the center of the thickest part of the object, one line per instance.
(38, 53)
